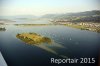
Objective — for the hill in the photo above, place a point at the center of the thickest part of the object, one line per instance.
(87, 16)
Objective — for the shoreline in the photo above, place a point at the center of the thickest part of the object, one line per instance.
(90, 26)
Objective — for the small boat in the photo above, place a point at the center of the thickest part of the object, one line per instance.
(70, 39)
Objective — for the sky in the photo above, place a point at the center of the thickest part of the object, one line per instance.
(41, 7)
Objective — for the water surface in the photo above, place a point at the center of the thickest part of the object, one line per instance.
(77, 43)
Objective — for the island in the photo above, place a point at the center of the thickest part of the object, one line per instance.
(33, 38)
(2, 29)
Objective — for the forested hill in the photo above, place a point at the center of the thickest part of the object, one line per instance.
(87, 16)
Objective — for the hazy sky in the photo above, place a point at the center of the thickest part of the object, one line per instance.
(41, 7)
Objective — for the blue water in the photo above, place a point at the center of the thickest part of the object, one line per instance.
(78, 43)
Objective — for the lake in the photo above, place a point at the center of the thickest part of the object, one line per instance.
(68, 42)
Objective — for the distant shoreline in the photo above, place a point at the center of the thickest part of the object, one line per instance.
(90, 26)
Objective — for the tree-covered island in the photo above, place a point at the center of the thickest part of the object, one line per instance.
(33, 38)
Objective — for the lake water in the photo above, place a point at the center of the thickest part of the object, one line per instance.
(70, 42)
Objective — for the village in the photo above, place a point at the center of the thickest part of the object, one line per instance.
(91, 26)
